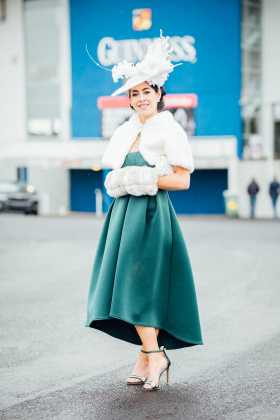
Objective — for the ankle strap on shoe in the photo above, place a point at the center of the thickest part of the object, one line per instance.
(153, 351)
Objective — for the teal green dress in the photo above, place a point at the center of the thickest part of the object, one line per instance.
(142, 274)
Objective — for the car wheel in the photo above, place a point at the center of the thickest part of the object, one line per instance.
(34, 209)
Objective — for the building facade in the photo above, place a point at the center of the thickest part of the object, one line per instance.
(57, 114)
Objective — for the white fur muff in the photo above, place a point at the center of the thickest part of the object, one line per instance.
(136, 180)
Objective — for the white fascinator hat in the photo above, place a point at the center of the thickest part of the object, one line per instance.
(154, 68)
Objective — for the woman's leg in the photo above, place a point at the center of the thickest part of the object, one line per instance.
(141, 365)
(155, 361)
(148, 337)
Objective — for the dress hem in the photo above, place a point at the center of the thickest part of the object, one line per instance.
(189, 343)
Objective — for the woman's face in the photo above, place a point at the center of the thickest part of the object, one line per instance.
(144, 99)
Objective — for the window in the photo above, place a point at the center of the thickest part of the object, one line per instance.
(251, 77)
(43, 49)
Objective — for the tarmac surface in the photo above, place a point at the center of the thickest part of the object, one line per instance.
(52, 367)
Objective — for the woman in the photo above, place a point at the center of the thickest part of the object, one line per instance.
(142, 289)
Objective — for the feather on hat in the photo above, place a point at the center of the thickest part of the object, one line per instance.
(154, 68)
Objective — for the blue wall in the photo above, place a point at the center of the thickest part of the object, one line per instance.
(82, 194)
(205, 196)
(215, 77)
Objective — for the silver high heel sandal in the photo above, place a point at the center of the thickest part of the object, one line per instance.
(141, 379)
(166, 369)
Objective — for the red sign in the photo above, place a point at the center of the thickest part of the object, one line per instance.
(176, 100)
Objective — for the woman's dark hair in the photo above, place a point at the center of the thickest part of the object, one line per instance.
(160, 104)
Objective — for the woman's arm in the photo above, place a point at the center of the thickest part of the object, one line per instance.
(179, 180)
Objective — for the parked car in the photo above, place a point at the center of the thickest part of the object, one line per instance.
(18, 196)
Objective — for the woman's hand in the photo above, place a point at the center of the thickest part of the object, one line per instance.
(179, 180)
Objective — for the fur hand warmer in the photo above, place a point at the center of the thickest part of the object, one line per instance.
(136, 180)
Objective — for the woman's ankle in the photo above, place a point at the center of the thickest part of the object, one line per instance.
(156, 357)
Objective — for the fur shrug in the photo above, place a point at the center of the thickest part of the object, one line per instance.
(161, 135)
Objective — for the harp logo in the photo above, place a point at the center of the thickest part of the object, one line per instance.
(141, 19)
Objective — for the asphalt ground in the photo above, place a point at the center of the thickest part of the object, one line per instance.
(52, 367)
